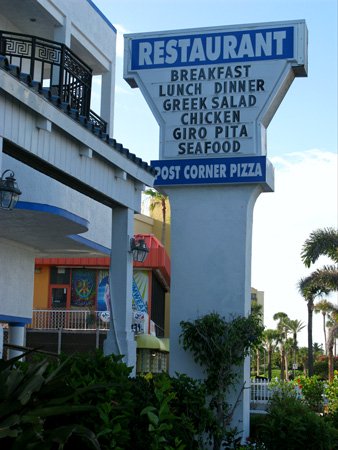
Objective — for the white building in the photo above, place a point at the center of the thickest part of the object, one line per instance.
(80, 188)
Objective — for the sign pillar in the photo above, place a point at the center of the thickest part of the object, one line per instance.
(214, 92)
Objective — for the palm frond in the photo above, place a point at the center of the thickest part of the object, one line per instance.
(320, 242)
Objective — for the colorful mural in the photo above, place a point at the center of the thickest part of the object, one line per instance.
(83, 292)
(103, 295)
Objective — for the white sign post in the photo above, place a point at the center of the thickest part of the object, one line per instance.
(214, 92)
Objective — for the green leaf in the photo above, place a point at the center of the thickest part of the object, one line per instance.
(153, 418)
(32, 386)
(59, 410)
(8, 432)
(13, 380)
(62, 434)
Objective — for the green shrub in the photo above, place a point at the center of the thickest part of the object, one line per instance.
(89, 401)
(331, 395)
(38, 409)
(312, 392)
(290, 424)
(320, 367)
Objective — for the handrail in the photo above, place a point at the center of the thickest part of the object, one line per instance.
(54, 319)
(55, 69)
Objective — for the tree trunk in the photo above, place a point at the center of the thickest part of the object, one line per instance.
(269, 363)
(282, 364)
(330, 344)
(286, 360)
(324, 328)
(164, 218)
(330, 364)
(309, 337)
(257, 362)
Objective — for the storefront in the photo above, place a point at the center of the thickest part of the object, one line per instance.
(82, 284)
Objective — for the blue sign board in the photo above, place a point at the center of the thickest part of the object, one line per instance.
(212, 48)
(250, 169)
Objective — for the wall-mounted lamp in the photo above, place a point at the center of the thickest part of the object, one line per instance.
(9, 191)
(139, 249)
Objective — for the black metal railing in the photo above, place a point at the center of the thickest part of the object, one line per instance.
(55, 68)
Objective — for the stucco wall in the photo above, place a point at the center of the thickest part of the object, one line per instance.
(39, 188)
(17, 271)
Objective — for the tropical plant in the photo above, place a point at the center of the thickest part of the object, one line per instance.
(321, 242)
(89, 401)
(39, 411)
(282, 328)
(220, 347)
(295, 326)
(325, 307)
(161, 418)
(158, 199)
(312, 392)
(310, 288)
(322, 281)
(290, 424)
(333, 331)
(257, 310)
(270, 339)
(302, 356)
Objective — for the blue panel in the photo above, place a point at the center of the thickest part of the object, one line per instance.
(213, 48)
(90, 244)
(14, 320)
(250, 169)
(40, 207)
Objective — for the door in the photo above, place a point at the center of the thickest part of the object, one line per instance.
(59, 302)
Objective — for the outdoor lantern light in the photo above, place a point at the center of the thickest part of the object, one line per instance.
(139, 249)
(9, 191)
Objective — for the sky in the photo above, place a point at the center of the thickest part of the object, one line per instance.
(301, 138)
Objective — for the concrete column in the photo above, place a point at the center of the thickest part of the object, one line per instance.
(107, 98)
(1, 342)
(120, 338)
(63, 34)
(211, 234)
(16, 336)
(1, 144)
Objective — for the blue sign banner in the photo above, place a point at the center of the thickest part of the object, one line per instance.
(212, 48)
(137, 297)
(250, 169)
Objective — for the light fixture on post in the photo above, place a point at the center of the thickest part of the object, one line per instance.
(139, 249)
(9, 191)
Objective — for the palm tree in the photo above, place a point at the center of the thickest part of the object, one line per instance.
(270, 339)
(158, 199)
(257, 310)
(282, 329)
(332, 324)
(288, 348)
(295, 326)
(302, 357)
(320, 242)
(325, 307)
(309, 288)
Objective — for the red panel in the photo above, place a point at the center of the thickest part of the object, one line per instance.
(157, 259)
(102, 262)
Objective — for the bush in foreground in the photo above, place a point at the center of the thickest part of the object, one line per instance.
(91, 402)
(291, 424)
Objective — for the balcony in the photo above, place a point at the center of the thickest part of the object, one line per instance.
(77, 320)
(54, 319)
(54, 71)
